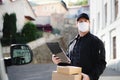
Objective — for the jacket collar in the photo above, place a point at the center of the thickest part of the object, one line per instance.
(78, 36)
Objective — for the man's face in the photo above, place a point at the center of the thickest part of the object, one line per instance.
(83, 25)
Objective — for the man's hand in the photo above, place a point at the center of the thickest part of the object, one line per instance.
(85, 77)
(55, 59)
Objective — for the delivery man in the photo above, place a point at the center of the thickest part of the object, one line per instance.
(86, 51)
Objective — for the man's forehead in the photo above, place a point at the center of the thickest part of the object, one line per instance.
(82, 19)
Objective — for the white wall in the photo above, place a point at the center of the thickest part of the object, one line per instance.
(42, 20)
(112, 27)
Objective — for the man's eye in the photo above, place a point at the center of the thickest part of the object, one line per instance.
(80, 21)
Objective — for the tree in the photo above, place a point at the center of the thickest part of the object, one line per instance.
(78, 2)
(83, 2)
(13, 24)
(6, 28)
(9, 28)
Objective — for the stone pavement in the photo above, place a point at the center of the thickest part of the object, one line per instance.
(44, 72)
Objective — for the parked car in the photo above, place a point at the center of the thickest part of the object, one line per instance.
(20, 54)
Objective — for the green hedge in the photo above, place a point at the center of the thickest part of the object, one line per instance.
(30, 32)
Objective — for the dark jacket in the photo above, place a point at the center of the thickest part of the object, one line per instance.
(88, 52)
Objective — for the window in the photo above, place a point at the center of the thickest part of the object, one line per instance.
(113, 44)
(114, 47)
(116, 8)
(105, 14)
(98, 21)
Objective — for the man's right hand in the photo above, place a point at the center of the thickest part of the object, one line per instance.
(55, 59)
(85, 77)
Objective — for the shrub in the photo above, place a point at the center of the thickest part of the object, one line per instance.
(39, 34)
(30, 32)
(20, 39)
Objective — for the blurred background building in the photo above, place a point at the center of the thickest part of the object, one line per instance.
(105, 23)
(22, 8)
(59, 14)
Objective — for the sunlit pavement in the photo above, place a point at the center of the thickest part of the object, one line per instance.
(110, 74)
(44, 72)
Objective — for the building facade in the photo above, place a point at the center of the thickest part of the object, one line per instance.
(22, 9)
(105, 23)
(48, 8)
(73, 11)
(45, 10)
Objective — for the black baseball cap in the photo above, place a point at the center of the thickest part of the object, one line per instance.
(83, 15)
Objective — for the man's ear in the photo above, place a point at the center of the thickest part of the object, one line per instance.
(76, 24)
(89, 22)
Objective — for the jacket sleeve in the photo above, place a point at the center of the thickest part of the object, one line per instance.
(100, 63)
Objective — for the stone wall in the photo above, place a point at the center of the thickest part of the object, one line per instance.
(41, 53)
(69, 30)
(67, 26)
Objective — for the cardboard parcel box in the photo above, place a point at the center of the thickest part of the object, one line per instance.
(67, 73)
(69, 69)
(60, 76)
